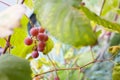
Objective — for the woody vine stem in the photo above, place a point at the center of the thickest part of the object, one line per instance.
(74, 68)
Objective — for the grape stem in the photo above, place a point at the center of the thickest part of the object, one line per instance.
(31, 23)
(55, 69)
(9, 4)
(74, 68)
(7, 44)
(5, 3)
(100, 12)
(22, 1)
(92, 53)
(102, 7)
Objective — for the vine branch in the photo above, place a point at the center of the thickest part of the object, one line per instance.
(74, 68)
(55, 69)
(102, 7)
(92, 53)
(22, 1)
(5, 3)
(7, 44)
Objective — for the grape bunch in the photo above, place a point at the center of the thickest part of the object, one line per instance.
(39, 38)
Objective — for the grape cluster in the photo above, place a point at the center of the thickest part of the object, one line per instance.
(39, 37)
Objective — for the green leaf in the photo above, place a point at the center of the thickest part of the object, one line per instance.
(116, 72)
(49, 46)
(29, 3)
(22, 50)
(118, 11)
(115, 39)
(112, 26)
(76, 3)
(20, 33)
(85, 58)
(14, 68)
(36, 64)
(63, 75)
(44, 61)
(2, 42)
(114, 50)
(98, 33)
(109, 5)
(17, 40)
(73, 75)
(65, 22)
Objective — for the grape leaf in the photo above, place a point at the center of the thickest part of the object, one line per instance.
(112, 26)
(65, 22)
(17, 40)
(109, 5)
(116, 72)
(22, 50)
(6, 19)
(49, 46)
(14, 68)
(29, 3)
(85, 58)
(115, 40)
(20, 33)
(114, 50)
(2, 42)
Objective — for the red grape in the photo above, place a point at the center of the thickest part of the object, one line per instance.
(35, 54)
(34, 31)
(57, 78)
(41, 30)
(41, 44)
(45, 37)
(42, 37)
(41, 49)
(28, 41)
